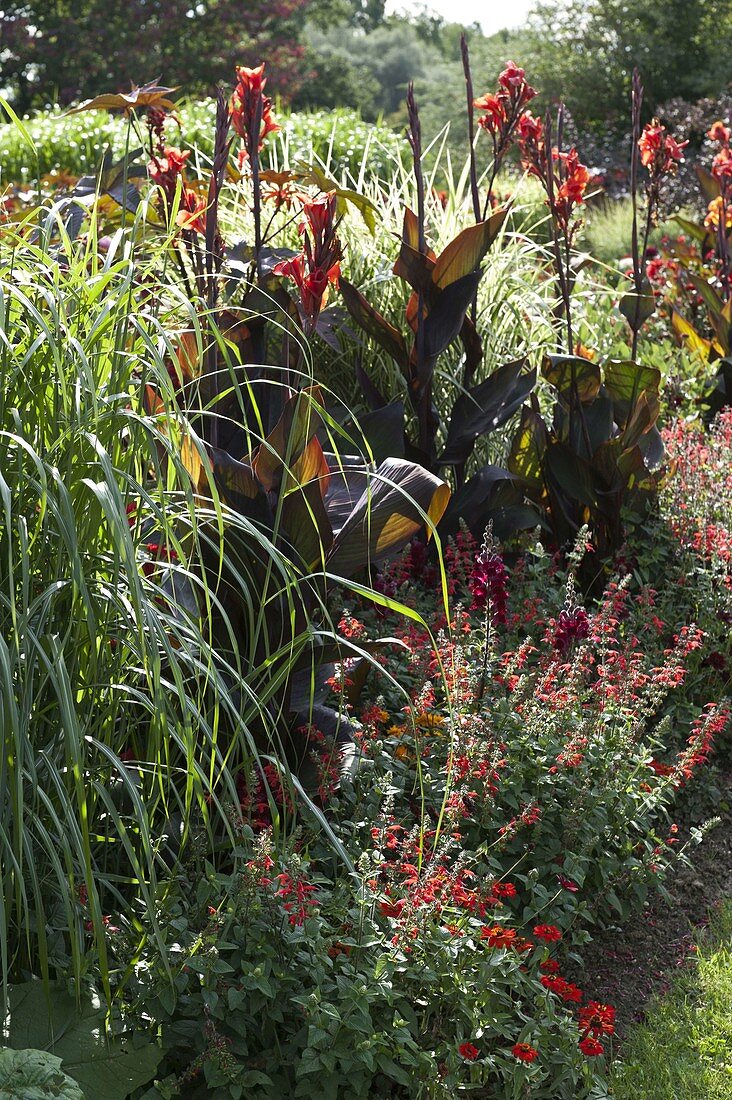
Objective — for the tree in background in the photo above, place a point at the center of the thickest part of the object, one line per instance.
(56, 50)
(584, 51)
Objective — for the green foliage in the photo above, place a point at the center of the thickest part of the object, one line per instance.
(142, 39)
(34, 1075)
(75, 145)
(584, 51)
(51, 1019)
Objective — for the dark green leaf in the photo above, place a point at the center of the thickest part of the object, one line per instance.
(374, 325)
(485, 407)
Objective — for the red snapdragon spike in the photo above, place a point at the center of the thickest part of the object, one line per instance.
(249, 105)
(572, 626)
(489, 585)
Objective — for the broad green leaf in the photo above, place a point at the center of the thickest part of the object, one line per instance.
(696, 232)
(35, 1075)
(463, 255)
(485, 407)
(709, 184)
(374, 325)
(625, 381)
(636, 309)
(688, 337)
(387, 515)
(526, 458)
(566, 371)
(413, 266)
(306, 523)
(49, 1019)
(299, 422)
(573, 475)
(444, 320)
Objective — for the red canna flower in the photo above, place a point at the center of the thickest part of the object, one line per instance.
(504, 109)
(719, 132)
(192, 213)
(251, 109)
(319, 263)
(468, 1051)
(524, 1052)
(660, 152)
(167, 169)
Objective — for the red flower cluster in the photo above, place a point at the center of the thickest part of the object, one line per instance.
(296, 893)
(468, 1052)
(569, 176)
(505, 107)
(251, 109)
(258, 792)
(572, 626)
(319, 263)
(660, 152)
(547, 932)
(165, 170)
(595, 1020)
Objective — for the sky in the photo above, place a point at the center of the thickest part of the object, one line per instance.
(493, 15)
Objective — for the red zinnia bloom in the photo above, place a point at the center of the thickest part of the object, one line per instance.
(503, 890)
(591, 1047)
(597, 1019)
(497, 936)
(548, 932)
(468, 1051)
(524, 1052)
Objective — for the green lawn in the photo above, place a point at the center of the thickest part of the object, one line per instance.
(684, 1049)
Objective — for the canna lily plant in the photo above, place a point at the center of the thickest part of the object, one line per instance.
(442, 290)
(601, 445)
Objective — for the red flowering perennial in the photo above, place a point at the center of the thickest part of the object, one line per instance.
(319, 263)
(468, 1051)
(296, 894)
(524, 1052)
(660, 152)
(504, 108)
(563, 175)
(251, 110)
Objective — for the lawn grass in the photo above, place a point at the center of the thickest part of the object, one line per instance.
(684, 1048)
